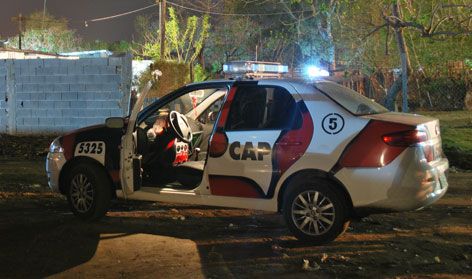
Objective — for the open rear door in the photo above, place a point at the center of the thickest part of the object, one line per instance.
(130, 162)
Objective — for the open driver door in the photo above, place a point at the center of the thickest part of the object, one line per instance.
(130, 162)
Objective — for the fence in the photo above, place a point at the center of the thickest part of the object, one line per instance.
(443, 90)
(57, 95)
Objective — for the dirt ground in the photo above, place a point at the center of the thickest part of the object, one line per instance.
(39, 237)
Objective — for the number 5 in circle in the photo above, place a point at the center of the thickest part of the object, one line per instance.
(332, 123)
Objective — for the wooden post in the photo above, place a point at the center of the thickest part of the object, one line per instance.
(20, 23)
(44, 13)
(162, 25)
(19, 19)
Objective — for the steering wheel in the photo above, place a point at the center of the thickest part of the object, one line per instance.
(180, 126)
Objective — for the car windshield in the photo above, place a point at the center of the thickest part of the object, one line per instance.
(187, 102)
(350, 99)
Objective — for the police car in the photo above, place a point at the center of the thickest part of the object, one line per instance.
(319, 153)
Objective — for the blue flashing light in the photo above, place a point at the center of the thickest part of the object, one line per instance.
(314, 72)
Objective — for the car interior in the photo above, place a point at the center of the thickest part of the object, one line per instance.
(173, 140)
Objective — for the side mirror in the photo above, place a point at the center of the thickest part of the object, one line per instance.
(115, 122)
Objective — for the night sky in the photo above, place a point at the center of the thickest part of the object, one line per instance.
(76, 11)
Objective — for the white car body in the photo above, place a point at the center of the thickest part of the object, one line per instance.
(332, 143)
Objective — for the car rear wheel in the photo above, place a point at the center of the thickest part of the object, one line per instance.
(314, 211)
(88, 192)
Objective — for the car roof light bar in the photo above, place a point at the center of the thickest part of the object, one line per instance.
(254, 69)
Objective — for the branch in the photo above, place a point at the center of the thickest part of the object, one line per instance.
(377, 28)
(433, 13)
(456, 6)
(447, 33)
(441, 21)
(287, 8)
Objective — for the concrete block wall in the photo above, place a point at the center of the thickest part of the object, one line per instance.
(59, 95)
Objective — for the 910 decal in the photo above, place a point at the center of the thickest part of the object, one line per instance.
(93, 149)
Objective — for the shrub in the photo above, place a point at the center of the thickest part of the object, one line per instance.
(174, 75)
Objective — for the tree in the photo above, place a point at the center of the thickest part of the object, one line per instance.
(117, 46)
(425, 33)
(183, 42)
(221, 46)
(312, 21)
(48, 34)
(437, 22)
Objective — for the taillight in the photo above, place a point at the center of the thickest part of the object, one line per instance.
(405, 138)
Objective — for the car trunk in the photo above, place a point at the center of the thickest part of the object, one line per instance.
(431, 144)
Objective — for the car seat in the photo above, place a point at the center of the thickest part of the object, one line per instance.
(190, 173)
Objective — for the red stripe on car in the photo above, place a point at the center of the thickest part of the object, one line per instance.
(68, 145)
(369, 150)
(294, 144)
(234, 187)
(219, 140)
(225, 111)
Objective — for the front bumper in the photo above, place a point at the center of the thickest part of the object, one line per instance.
(54, 164)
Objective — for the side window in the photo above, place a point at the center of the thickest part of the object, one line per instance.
(211, 113)
(261, 108)
(192, 104)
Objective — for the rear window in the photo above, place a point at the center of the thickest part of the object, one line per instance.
(350, 99)
(261, 108)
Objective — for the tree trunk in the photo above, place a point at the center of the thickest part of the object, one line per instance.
(404, 58)
(392, 94)
(330, 39)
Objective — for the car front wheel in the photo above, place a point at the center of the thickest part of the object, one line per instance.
(88, 192)
(314, 211)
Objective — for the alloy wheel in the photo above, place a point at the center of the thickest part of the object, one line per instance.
(313, 213)
(81, 193)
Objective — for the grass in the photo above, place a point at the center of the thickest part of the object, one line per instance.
(456, 128)
(456, 134)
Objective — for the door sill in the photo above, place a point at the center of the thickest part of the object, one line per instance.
(159, 190)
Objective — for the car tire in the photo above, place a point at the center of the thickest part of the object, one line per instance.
(88, 192)
(314, 210)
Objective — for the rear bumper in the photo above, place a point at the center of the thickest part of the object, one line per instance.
(407, 183)
(434, 186)
(54, 164)
(416, 190)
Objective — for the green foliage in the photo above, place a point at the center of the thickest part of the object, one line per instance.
(216, 68)
(187, 45)
(199, 73)
(293, 38)
(468, 63)
(118, 46)
(35, 20)
(358, 41)
(232, 39)
(184, 42)
(456, 132)
(152, 50)
(47, 40)
(50, 35)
